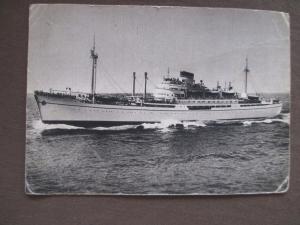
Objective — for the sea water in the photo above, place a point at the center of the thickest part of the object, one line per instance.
(211, 157)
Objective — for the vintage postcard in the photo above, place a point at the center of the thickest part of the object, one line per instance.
(146, 100)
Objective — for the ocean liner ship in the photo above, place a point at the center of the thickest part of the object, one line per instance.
(178, 99)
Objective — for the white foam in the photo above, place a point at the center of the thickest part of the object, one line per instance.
(123, 127)
(187, 124)
(250, 122)
(151, 125)
(164, 125)
(285, 119)
(39, 125)
(247, 123)
(268, 121)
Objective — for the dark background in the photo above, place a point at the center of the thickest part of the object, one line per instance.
(16, 208)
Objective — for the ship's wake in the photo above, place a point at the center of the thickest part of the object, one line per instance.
(165, 125)
(169, 124)
(40, 126)
(282, 118)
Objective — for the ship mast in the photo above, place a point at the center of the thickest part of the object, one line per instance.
(145, 88)
(133, 84)
(246, 70)
(94, 57)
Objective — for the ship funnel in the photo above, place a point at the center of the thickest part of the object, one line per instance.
(187, 77)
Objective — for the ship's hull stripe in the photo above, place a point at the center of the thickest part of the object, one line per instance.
(91, 124)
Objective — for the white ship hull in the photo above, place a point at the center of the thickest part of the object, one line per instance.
(73, 112)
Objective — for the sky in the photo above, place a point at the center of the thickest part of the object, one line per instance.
(210, 42)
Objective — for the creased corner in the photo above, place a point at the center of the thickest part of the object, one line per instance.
(284, 186)
(28, 189)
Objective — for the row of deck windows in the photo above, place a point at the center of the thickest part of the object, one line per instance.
(208, 107)
(253, 105)
(224, 102)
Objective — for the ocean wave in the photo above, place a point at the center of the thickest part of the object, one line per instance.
(229, 155)
(285, 117)
(194, 124)
(123, 127)
(165, 125)
(282, 118)
(39, 125)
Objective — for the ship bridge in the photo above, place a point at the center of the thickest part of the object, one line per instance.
(169, 91)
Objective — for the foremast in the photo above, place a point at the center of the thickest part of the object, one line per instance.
(94, 57)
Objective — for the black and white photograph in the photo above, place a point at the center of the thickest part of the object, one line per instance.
(157, 100)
